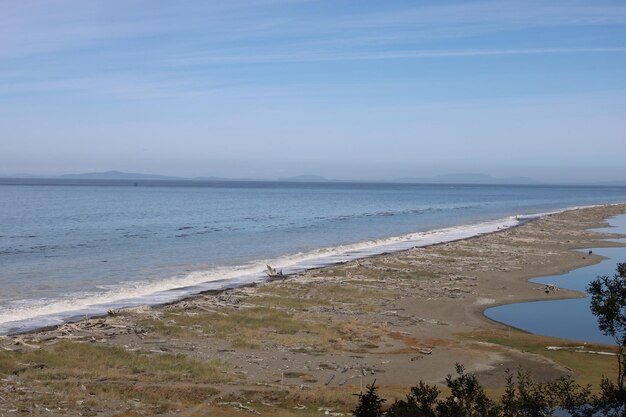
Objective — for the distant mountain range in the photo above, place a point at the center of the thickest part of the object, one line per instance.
(440, 179)
(130, 176)
(462, 178)
(614, 183)
(118, 175)
(469, 178)
(306, 178)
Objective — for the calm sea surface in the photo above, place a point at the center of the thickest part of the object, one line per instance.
(75, 248)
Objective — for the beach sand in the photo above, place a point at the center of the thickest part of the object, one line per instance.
(304, 345)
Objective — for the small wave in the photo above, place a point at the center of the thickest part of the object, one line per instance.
(136, 235)
(389, 213)
(205, 230)
(41, 249)
(260, 218)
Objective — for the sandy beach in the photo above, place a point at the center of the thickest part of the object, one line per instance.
(304, 345)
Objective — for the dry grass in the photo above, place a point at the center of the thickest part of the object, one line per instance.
(421, 274)
(275, 320)
(80, 360)
(240, 327)
(287, 302)
(351, 291)
(243, 343)
(89, 378)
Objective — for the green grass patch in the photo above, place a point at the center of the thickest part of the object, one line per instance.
(255, 327)
(227, 321)
(81, 360)
(587, 368)
(242, 343)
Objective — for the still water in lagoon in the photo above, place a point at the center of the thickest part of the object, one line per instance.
(567, 319)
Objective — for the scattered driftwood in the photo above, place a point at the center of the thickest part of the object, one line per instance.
(130, 310)
(273, 272)
(329, 379)
(240, 406)
(580, 349)
(229, 299)
(20, 342)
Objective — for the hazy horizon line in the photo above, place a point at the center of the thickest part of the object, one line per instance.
(473, 178)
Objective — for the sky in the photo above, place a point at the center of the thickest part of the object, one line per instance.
(345, 89)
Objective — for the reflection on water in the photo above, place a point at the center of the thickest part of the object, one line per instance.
(567, 319)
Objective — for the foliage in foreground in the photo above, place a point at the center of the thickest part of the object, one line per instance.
(608, 304)
(467, 398)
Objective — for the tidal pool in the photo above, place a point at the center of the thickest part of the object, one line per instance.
(567, 319)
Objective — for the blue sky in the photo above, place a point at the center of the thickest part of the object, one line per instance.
(346, 89)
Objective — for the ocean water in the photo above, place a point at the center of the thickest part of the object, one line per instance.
(567, 319)
(71, 248)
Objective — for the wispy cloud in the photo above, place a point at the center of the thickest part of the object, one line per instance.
(163, 86)
(28, 28)
(490, 15)
(363, 56)
(150, 46)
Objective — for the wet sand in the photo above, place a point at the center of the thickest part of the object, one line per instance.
(313, 339)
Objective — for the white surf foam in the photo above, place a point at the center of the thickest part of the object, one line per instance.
(51, 312)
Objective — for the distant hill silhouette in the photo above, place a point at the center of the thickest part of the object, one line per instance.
(461, 178)
(306, 178)
(117, 175)
(612, 183)
(468, 178)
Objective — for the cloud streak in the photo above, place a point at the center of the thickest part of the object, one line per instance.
(153, 46)
(30, 29)
(374, 56)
